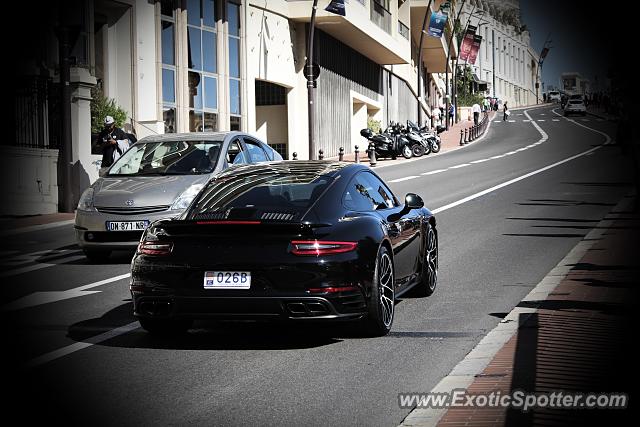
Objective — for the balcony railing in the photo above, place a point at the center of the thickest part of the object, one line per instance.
(380, 14)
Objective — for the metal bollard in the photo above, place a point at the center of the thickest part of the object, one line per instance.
(356, 154)
(320, 154)
(466, 140)
(461, 137)
(372, 154)
(341, 154)
(295, 156)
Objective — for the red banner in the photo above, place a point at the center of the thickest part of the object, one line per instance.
(475, 48)
(467, 43)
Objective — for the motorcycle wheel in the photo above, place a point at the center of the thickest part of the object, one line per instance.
(406, 152)
(435, 147)
(417, 150)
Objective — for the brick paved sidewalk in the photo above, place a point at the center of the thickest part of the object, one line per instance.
(579, 339)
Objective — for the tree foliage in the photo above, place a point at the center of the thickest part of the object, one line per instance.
(102, 106)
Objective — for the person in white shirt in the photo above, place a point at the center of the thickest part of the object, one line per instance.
(435, 115)
(476, 113)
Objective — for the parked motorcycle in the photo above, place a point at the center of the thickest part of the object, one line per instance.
(432, 138)
(419, 145)
(389, 143)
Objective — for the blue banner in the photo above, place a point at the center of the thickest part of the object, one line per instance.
(437, 21)
(336, 6)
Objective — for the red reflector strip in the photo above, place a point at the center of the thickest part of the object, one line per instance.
(228, 222)
(332, 289)
(155, 248)
(321, 247)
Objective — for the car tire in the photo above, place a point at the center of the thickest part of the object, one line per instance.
(406, 152)
(417, 150)
(97, 255)
(429, 274)
(165, 326)
(382, 296)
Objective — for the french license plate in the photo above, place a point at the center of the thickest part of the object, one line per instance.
(127, 225)
(227, 279)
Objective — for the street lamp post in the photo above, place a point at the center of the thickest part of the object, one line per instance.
(455, 68)
(543, 54)
(311, 83)
(424, 25)
(446, 84)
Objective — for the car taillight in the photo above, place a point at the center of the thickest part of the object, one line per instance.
(155, 248)
(321, 247)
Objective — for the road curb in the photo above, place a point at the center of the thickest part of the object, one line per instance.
(465, 372)
(38, 227)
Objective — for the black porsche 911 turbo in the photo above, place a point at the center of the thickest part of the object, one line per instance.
(295, 240)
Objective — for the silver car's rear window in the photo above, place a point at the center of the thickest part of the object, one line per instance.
(168, 158)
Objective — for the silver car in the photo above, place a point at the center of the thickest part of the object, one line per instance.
(156, 178)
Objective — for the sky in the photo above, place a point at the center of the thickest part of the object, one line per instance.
(584, 38)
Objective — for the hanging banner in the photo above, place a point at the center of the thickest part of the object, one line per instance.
(437, 21)
(475, 47)
(336, 6)
(467, 43)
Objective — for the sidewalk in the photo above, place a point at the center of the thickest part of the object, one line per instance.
(450, 140)
(576, 339)
(17, 224)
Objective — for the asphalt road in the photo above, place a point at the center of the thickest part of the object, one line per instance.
(74, 352)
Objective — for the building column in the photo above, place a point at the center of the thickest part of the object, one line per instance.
(84, 166)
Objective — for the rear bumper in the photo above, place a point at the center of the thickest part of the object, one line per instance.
(348, 305)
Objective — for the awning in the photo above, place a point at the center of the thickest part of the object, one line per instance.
(477, 79)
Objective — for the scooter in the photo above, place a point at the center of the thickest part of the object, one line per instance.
(432, 138)
(419, 145)
(389, 143)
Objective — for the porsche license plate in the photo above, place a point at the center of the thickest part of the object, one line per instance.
(227, 279)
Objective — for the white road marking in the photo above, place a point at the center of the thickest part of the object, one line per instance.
(512, 121)
(555, 120)
(530, 174)
(480, 161)
(406, 178)
(39, 266)
(434, 172)
(541, 120)
(40, 298)
(526, 120)
(510, 153)
(542, 114)
(64, 351)
(497, 157)
(460, 166)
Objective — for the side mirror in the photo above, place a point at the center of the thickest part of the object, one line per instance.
(367, 133)
(413, 201)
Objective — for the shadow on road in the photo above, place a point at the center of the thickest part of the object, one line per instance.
(214, 335)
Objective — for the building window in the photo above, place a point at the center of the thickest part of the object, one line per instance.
(403, 30)
(168, 46)
(233, 21)
(203, 65)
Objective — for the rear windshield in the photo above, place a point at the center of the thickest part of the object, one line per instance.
(246, 196)
(574, 102)
(168, 158)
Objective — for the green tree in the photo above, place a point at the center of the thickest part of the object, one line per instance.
(101, 106)
(463, 88)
